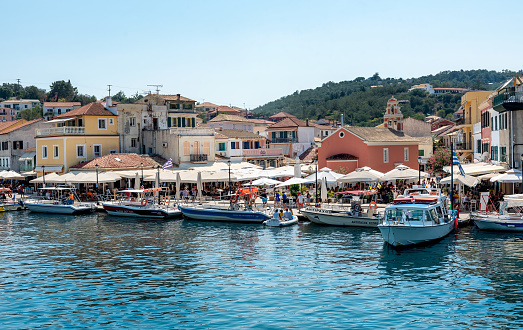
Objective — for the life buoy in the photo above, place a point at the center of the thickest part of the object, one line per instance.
(9, 195)
(167, 199)
(144, 202)
(371, 204)
(253, 196)
(234, 198)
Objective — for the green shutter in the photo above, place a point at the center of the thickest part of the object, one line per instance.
(168, 121)
(179, 121)
(193, 122)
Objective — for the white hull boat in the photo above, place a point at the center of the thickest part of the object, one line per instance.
(217, 213)
(417, 217)
(55, 207)
(499, 222)
(341, 218)
(140, 203)
(281, 223)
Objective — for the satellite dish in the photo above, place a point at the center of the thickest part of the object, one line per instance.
(485, 156)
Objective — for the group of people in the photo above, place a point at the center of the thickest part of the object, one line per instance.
(281, 215)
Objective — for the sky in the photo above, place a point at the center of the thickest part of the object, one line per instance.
(247, 53)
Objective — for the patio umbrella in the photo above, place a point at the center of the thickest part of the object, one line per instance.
(297, 168)
(136, 181)
(363, 174)
(511, 176)
(199, 185)
(265, 182)
(12, 175)
(402, 172)
(178, 182)
(292, 181)
(324, 173)
(47, 177)
(466, 180)
(323, 195)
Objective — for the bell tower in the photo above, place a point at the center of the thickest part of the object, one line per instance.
(393, 117)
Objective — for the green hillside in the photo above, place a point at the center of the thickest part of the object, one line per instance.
(363, 100)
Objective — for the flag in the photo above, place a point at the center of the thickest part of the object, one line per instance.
(168, 164)
(455, 161)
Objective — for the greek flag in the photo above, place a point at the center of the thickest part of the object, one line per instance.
(455, 161)
(168, 164)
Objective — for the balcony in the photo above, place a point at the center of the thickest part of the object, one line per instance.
(464, 146)
(60, 131)
(198, 158)
(262, 152)
(26, 168)
(193, 131)
(284, 140)
(508, 101)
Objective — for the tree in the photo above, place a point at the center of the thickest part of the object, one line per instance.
(438, 160)
(33, 93)
(31, 114)
(61, 89)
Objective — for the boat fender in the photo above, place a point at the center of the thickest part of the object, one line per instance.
(373, 205)
(167, 199)
(234, 199)
(9, 195)
(253, 196)
(144, 202)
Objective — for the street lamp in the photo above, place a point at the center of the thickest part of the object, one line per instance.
(43, 174)
(229, 164)
(316, 186)
(141, 165)
(419, 170)
(158, 180)
(521, 158)
(96, 167)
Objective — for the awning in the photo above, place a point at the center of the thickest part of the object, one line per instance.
(27, 156)
(49, 168)
(54, 121)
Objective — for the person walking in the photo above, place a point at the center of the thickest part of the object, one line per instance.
(300, 199)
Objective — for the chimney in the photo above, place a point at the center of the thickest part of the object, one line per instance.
(108, 102)
(307, 121)
(221, 128)
(341, 120)
(178, 96)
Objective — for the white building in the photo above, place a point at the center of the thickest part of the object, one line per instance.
(57, 108)
(223, 121)
(18, 105)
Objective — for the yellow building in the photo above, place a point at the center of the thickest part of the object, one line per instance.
(470, 102)
(79, 135)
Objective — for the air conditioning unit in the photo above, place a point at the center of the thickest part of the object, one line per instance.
(164, 144)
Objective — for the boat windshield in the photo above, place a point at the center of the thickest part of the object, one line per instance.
(394, 214)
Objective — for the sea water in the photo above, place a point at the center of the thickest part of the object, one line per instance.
(101, 272)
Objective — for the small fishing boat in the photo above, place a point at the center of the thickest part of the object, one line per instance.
(59, 200)
(233, 213)
(418, 216)
(142, 203)
(353, 217)
(277, 222)
(509, 217)
(8, 201)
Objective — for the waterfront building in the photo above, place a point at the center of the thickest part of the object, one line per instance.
(78, 136)
(292, 135)
(470, 115)
(7, 114)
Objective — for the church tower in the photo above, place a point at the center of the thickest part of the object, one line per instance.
(393, 117)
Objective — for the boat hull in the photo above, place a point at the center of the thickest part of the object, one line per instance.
(59, 208)
(11, 207)
(340, 219)
(213, 214)
(405, 235)
(281, 223)
(140, 212)
(499, 223)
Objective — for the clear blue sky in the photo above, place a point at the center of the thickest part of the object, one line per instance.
(249, 52)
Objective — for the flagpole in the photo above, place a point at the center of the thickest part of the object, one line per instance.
(451, 174)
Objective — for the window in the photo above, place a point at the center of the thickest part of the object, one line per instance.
(246, 145)
(18, 145)
(5, 145)
(133, 142)
(97, 150)
(55, 151)
(187, 106)
(503, 154)
(44, 152)
(478, 146)
(385, 155)
(496, 123)
(80, 152)
(132, 121)
(207, 148)
(112, 151)
(406, 154)
(102, 124)
(111, 121)
(196, 147)
(221, 146)
(421, 153)
(59, 111)
(186, 148)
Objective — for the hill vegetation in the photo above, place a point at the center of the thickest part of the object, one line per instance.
(363, 100)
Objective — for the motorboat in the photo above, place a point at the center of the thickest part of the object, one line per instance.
(277, 222)
(59, 200)
(353, 217)
(8, 201)
(509, 217)
(418, 216)
(142, 203)
(233, 212)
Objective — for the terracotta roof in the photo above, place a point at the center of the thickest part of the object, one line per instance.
(207, 104)
(7, 124)
(309, 155)
(289, 122)
(30, 149)
(224, 108)
(324, 126)
(238, 133)
(14, 128)
(62, 104)
(380, 134)
(342, 157)
(282, 115)
(173, 97)
(425, 140)
(261, 121)
(129, 160)
(225, 117)
(91, 109)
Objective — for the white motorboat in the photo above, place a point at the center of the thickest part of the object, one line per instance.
(142, 203)
(418, 216)
(59, 200)
(8, 201)
(354, 217)
(233, 213)
(273, 222)
(508, 218)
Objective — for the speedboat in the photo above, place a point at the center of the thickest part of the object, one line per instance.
(59, 200)
(233, 213)
(142, 203)
(8, 201)
(277, 222)
(354, 217)
(508, 218)
(418, 216)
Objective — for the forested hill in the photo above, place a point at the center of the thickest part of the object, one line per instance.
(363, 100)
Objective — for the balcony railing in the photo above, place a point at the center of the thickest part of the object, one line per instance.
(284, 140)
(262, 152)
(193, 131)
(198, 158)
(26, 168)
(508, 101)
(464, 146)
(60, 131)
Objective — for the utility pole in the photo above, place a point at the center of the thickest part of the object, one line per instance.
(157, 88)
(109, 90)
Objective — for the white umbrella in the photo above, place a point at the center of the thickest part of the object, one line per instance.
(291, 181)
(136, 181)
(363, 174)
(199, 185)
(323, 195)
(12, 175)
(297, 168)
(47, 177)
(265, 182)
(402, 172)
(511, 176)
(467, 180)
(178, 182)
(330, 176)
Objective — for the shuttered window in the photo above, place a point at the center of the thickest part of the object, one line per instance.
(186, 148)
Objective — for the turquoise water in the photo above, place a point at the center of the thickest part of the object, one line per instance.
(101, 272)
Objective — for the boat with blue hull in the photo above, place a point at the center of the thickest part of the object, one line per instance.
(220, 213)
